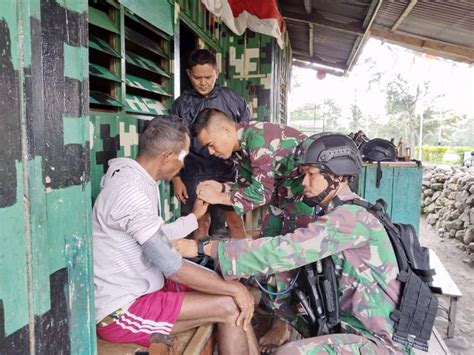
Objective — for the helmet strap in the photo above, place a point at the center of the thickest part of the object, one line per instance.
(316, 200)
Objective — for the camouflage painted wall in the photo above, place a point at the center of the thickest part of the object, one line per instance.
(45, 260)
(115, 133)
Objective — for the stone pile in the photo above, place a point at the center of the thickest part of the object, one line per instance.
(447, 201)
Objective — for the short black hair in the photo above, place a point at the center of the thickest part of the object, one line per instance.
(201, 57)
(163, 133)
(203, 119)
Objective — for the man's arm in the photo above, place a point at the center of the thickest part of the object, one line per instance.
(259, 189)
(340, 230)
(158, 251)
(331, 234)
(203, 280)
(184, 226)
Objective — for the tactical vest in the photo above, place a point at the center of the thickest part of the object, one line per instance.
(414, 315)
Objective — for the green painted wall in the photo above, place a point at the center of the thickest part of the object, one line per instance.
(55, 152)
(46, 303)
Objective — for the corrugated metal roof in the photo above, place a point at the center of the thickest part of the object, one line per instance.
(339, 28)
(449, 21)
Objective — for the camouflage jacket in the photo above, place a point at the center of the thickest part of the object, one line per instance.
(361, 250)
(265, 164)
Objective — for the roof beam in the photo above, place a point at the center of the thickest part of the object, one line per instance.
(424, 43)
(369, 20)
(319, 20)
(303, 64)
(405, 13)
(311, 39)
(301, 55)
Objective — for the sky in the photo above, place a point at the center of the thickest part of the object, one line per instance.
(452, 79)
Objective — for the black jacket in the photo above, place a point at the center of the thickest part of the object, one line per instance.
(199, 164)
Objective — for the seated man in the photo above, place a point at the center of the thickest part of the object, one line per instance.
(366, 266)
(138, 277)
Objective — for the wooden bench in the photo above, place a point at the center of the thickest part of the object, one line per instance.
(198, 341)
(436, 345)
(448, 289)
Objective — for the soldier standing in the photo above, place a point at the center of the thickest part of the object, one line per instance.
(366, 266)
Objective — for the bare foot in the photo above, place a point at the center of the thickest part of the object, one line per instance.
(278, 335)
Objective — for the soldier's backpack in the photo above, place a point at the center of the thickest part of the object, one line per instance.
(414, 315)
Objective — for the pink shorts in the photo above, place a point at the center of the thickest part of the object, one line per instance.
(155, 312)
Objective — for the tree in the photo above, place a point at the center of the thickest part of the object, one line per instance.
(313, 118)
(356, 118)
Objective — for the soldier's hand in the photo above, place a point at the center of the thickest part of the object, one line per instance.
(180, 190)
(244, 300)
(200, 208)
(211, 185)
(186, 247)
(208, 194)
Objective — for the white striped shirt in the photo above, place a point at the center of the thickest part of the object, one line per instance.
(125, 216)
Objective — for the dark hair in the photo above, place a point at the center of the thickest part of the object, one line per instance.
(201, 57)
(204, 118)
(163, 133)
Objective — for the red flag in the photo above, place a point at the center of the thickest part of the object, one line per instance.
(258, 16)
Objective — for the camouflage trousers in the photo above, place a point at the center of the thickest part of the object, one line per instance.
(340, 344)
(289, 215)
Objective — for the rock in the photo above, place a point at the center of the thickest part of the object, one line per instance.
(471, 216)
(461, 205)
(436, 195)
(450, 186)
(455, 214)
(431, 219)
(436, 187)
(428, 193)
(430, 208)
(469, 235)
(452, 195)
(456, 225)
(470, 200)
(459, 236)
(465, 217)
(452, 233)
(471, 189)
(471, 247)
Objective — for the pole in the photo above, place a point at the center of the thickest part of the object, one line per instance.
(420, 144)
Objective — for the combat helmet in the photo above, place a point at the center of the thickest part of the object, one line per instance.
(332, 153)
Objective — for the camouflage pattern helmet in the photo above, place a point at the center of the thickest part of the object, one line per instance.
(334, 152)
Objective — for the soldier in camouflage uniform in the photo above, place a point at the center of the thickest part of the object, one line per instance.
(267, 170)
(366, 265)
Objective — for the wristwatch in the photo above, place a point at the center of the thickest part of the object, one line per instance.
(201, 244)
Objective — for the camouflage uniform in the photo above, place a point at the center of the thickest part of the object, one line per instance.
(268, 175)
(366, 268)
